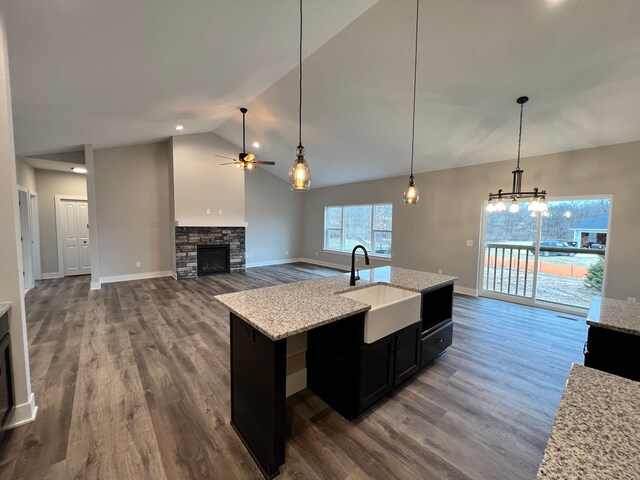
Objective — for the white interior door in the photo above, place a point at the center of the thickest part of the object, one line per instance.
(75, 237)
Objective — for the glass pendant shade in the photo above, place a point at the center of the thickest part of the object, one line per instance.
(299, 174)
(514, 207)
(411, 193)
(500, 206)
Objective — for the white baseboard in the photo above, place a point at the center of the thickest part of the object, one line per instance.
(273, 262)
(95, 285)
(337, 266)
(21, 414)
(174, 276)
(50, 275)
(135, 276)
(470, 292)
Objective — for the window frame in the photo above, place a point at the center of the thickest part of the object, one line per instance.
(373, 230)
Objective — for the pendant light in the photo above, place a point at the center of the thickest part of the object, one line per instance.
(299, 174)
(537, 199)
(411, 193)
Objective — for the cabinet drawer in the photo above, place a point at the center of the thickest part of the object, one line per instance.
(436, 343)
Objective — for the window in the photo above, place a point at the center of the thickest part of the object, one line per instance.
(351, 225)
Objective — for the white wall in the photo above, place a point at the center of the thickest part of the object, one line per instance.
(11, 285)
(273, 218)
(50, 183)
(132, 202)
(432, 235)
(25, 175)
(201, 183)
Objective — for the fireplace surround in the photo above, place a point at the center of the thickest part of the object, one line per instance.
(188, 239)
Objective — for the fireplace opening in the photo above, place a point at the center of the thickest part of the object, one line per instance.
(213, 259)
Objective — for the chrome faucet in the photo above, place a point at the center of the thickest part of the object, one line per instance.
(354, 277)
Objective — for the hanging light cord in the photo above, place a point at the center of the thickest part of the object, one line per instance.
(415, 76)
(520, 136)
(300, 104)
(243, 143)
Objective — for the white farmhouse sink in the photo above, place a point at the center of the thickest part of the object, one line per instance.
(391, 310)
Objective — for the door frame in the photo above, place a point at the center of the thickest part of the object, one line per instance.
(28, 279)
(533, 302)
(34, 221)
(59, 229)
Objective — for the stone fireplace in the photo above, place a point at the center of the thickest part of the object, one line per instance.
(188, 239)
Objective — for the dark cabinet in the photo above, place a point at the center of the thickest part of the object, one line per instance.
(376, 371)
(434, 344)
(613, 352)
(407, 353)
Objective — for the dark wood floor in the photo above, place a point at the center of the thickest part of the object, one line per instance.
(132, 382)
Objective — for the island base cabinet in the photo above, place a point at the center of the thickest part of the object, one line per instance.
(613, 352)
(434, 344)
(258, 378)
(350, 375)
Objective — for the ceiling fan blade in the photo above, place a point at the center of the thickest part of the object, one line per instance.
(230, 163)
(259, 162)
(249, 157)
(228, 158)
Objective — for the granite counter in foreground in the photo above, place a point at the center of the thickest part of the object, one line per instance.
(285, 310)
(615, 315)
(596, 433)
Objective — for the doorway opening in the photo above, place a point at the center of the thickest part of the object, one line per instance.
(556, 259)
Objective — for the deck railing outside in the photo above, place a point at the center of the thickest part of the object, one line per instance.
(509, 268)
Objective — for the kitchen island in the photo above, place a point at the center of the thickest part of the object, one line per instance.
(596, 432)
(613, 342)
(262, 320)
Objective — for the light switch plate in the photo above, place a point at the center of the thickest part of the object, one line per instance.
(219, 212)
(469, 243)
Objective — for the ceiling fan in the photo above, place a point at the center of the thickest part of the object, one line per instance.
(245, 160)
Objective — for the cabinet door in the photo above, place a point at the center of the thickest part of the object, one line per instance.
(376, 370)
(407, 361)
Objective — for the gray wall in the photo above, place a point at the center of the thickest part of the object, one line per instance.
(25, 174)
(48, 184)
(201, 183)
(11, 286)
(432, 235)
(132, 201)
(273, 215)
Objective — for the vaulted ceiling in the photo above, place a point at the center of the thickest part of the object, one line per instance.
(115, 73)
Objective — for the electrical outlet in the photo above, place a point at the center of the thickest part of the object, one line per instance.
(219, 212)
(138, 264)
(631, 299)
(208, 211)
(286, 252)
(439, 271)
(316, 254)
(469, 243)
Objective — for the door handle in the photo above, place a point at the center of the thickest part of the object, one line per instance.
(438, 340)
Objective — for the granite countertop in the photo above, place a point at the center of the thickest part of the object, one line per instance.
(4, 307)
(615, 315)
(596, 433)
(285, 310)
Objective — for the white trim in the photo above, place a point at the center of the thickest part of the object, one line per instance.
(58, 209)
(358, 254)
(280, 261)
(211, 224)
(470, 292)
(34, 220)
(174, 275)
(21, 414)
(133, 276)
(50, 275)
(95, 286)
(337, 266)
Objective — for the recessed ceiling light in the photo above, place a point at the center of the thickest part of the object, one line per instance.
(255, 145)
(179, 127)
(79, 170)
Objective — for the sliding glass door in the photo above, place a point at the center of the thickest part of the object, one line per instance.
(556, 258)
